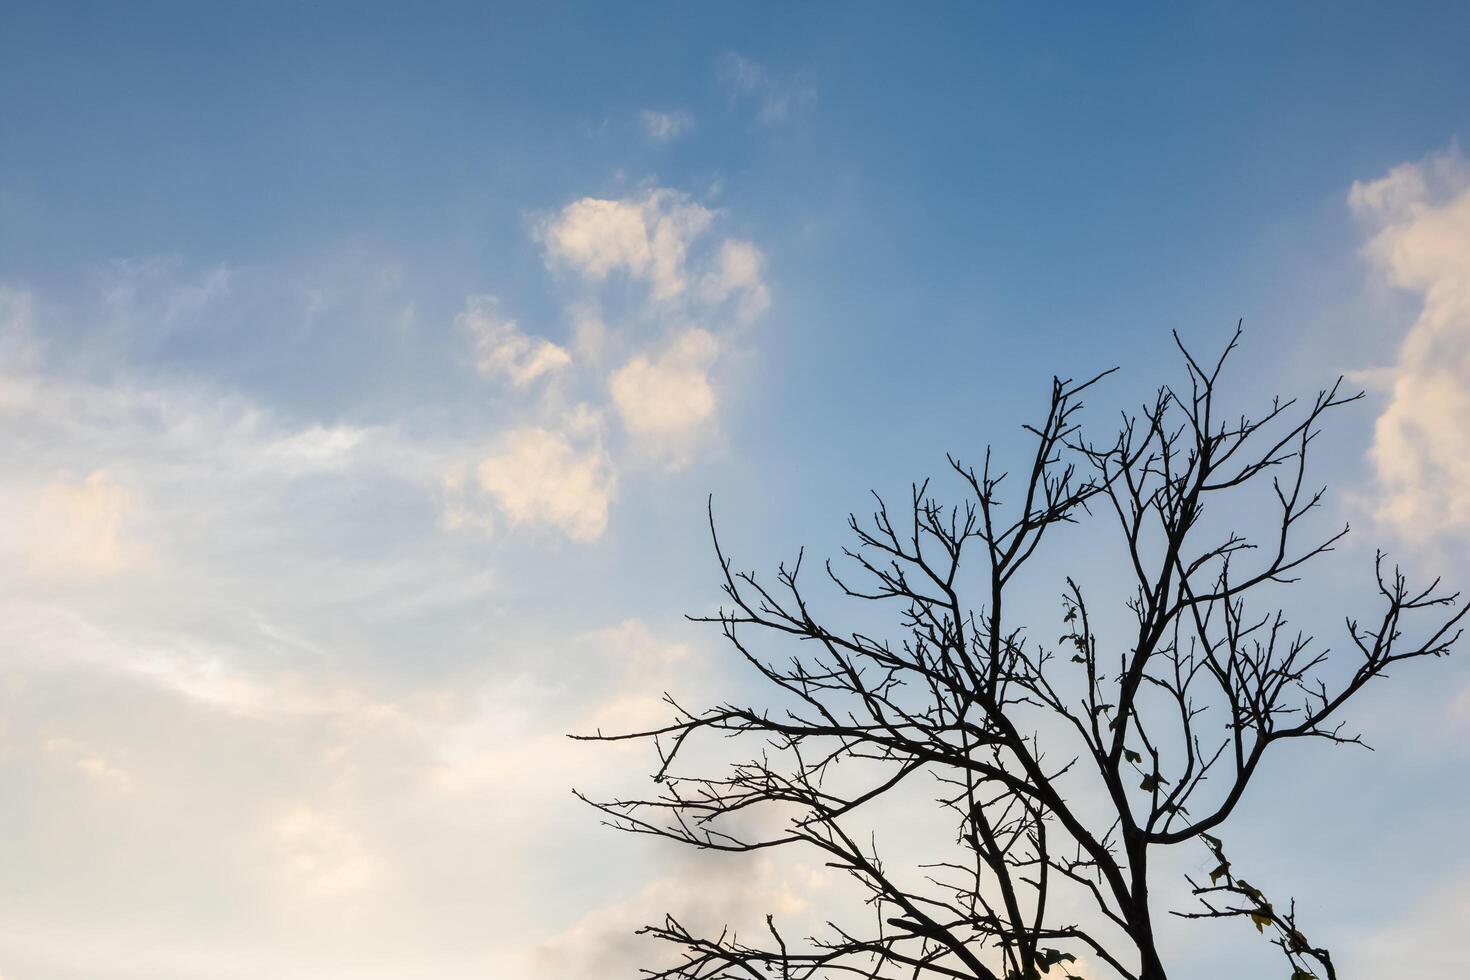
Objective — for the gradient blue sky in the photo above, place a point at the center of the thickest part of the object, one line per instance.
(363, 371)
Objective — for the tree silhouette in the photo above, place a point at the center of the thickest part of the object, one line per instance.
(1064, 766)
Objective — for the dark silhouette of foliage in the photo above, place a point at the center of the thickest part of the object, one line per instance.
(1158, 729)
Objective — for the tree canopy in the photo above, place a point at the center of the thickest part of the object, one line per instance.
(1065, 758)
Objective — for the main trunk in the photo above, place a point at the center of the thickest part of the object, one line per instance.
(1151, 968)
(1140, 920)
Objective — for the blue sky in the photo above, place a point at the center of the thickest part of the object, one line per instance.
(363, 373)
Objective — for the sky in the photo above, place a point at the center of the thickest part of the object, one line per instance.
(365, 371)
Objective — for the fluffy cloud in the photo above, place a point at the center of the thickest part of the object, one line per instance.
(654, 238)
(651, 238)
(668, 396)
(663, 127)
(539, 477)
(663, 392)
(501, 350)
(1418, 216)
(647, 238)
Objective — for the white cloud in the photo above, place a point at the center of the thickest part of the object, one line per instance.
(320, 856)
(669, 396)
(458, 507)
(168, 424)
(300, 759)
(632, 646)
(510, 738)
(1427, 940)
(777, 99)
(663, 127)
(591, 333)
(708, 894)
(319, 808)
(79, 527)
(51, 637)
(664, 395)
(166, 485)
(148, 298)
(538, 477)
(101, 478)
(98, 765)
(501, 350)
(19, 349)
(737, 272)
(1419, 219)
(646, 237)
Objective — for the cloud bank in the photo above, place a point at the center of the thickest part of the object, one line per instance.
(1418, 220)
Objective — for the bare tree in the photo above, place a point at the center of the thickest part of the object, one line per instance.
(1157, 729)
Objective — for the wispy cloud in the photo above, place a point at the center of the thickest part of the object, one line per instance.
(336, 690)
(665, 127)
(501, 350)
(777, 98)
